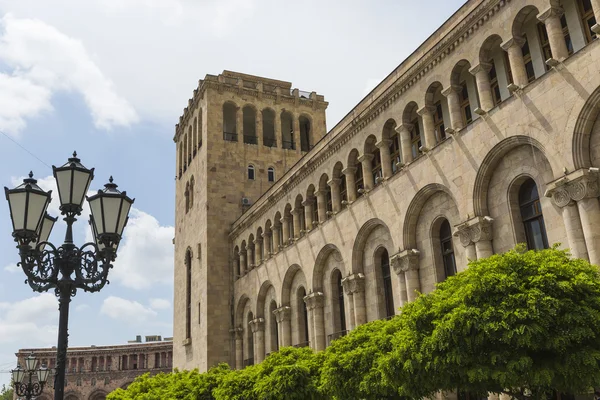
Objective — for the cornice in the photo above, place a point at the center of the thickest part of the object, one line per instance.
(359, 120)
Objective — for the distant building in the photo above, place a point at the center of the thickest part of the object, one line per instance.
(93, 372)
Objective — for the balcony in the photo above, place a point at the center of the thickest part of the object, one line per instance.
(250, 139)
(230, 136)
(270, 142)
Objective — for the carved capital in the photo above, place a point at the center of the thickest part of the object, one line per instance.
(514, 41)
(552, 11)
(475, 230)
(384, 143)
(404, 127)
(308, 202)
(464, 234)
(451, 89)
(349, 171)
(258, 241)
(296, 211)
(335, 182)
(320, 193)
(354, 283)
(426, 110)
(482, 66)
(576, 186)
(365, 158)
(237, 332)
(283, 314)
(266, 235)
(406, 260)
(257, 325)
(314, 300)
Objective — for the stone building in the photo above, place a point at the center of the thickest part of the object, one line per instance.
(93, 372)
(485, 137)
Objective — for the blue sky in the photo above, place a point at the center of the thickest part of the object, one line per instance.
(109, 78)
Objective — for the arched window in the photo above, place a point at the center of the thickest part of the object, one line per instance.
(302, 320)
(305, 144)
(251, 172)
(268, 120)
(358, 179)
(376, 166)
(274, 334)
(387, 285)
(395, 153)
(438, 122)
(287, 131)
(249, 128)
(188, 295)
(447, 249)
(465, 105)
(230, 122)
(249, 360)
(271, 174)
(338, 307)
(531, 214)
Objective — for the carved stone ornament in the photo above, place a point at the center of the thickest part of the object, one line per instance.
(283, 314)
(238, 332)
(568, 190)
(406, 260)
(354, 283)
(314, 300)
(257, 325)
(475, 230)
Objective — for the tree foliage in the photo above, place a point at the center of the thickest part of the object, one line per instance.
(517, 322)
(522, 323)
(6, 393)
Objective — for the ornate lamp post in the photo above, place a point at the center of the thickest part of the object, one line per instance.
(23, 378)
(68, 267)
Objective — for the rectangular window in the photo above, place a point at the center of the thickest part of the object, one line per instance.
(395, 154)
(494, 86)
(438, 122)
(465, 104)
(588, 19)
(376, 166)
(509, 77)
(528, 62)
(415, 138)
(359, 179)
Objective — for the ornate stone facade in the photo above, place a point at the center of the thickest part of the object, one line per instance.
(93, 372)
(485, 137)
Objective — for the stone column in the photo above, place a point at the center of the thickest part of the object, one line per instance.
(386, 161)
(259, 128)
(251, 260)
(551, 18)
(367, 169)
(239, 124)
(481, 235)
(283, 316)
(276, 243)
(482, 78)
(308, 214)
(515, 57)
(296, 135)
(297, 225)
(406, 263)
(350, 307)
(322, 205)
(404, 131)
(571, 194)
(452, 95)
(238, 334)
(403, 292)
(243, 264)
(314, 303)
(426, 114)
(285, 225)
(258, 251)
(336, 201)
(267, 245)
(350, 183)
(355, 284)
(464, 234)
(258, 330)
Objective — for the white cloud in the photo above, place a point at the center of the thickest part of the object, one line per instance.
(160, 304)
(81, 307)
(45, 60)
(126, 310)
(30, 320)
(145, 256)
(12, 268)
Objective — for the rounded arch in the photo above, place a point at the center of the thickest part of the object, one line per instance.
(369, 146)
(583, 128)
(361, 240)
(458, 69)
(262, 295)
(489, 163)
(324, 253)
(239, 311)
(522, 16)
(337, 170)
(298, 201)
(491, 43)
(74, 395)
(414, 210)
(286, 286)
(431, 91)
(389, 129)
(323, 182)
(352, 158)
(310, 192)
(98, 394)
(409, 110)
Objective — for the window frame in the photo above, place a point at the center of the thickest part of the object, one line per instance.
(251, 170)
(271, 174)
(585, 18)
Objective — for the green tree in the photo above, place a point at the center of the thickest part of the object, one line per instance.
(6, 393)
(185, 385)
(523, 323)
(351, 364)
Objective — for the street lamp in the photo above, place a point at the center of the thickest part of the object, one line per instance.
(67, 268)
(23, 381)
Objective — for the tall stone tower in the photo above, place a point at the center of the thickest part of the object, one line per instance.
(238, 134)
